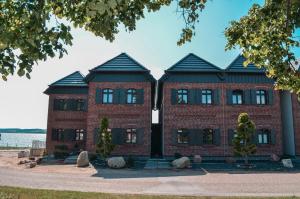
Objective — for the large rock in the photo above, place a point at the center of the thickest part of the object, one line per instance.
(287, 163)
(83, 159)
(116, 162)
(181, 163)
(31, 164)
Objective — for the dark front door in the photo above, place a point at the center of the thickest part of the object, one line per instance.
(156, 141)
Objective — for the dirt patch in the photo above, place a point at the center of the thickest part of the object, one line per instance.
(9, 159)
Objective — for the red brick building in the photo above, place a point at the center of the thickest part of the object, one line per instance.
(121, 90)
(199, 105)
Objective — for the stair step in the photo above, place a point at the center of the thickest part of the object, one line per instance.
(157, 164)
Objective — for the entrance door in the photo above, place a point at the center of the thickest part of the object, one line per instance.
(156, 141)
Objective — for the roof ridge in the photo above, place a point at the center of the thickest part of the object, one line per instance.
(192, 54)
(53, 84)
(123, 53)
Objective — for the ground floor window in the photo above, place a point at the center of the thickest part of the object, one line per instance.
(131, 136)
(208, 136)
(79, 134)
(264, 136)
(182, 136)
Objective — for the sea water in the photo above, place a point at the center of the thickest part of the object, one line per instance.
(20, 139)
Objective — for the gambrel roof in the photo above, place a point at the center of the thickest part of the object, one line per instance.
(193, 63)
(237, 66)
(122, 62)
(74, 79)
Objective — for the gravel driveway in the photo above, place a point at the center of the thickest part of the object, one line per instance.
(158, 182)
(184, 182)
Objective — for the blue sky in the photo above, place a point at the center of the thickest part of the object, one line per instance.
(153, 44)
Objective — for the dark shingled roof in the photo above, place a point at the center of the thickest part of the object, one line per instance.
(193, 63)
(237, 66)
(122, 62)
(74, 79)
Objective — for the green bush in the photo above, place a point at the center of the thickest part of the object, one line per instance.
(92, 156)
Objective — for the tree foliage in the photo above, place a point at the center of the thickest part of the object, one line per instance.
(104, 144)
(267, 37)
(32, 31)
(242, 142)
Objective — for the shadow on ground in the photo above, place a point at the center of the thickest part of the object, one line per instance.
(144, 173)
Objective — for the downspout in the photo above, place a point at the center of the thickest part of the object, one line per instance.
(287, 123)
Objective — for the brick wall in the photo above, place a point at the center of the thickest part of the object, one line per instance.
(121, 116)
(220, 116)
(296, 114)
(64, 120)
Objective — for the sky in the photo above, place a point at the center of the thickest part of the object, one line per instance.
(153, 44)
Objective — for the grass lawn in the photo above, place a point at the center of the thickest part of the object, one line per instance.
(21, 193)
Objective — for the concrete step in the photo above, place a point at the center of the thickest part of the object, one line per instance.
(157, 164)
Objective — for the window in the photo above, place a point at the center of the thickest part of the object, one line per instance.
(237, 97)
(208, 136)
(63, 105)
(264, 136)
(60, 134)
(131, 96)
(182, 136)
(79, 134)
(107, 97)
(182, 96)
(131, 136)
(206, 97)
(261, 97)
(80, 105)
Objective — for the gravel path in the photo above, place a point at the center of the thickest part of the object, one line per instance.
(183, 182)
(158, 182)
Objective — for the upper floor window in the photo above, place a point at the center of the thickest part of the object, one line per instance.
(264, 136)
(237, 97)
(206, 96)
(131, 136)
(80, 105)
(182, 96)
(261, 97)
(131, 96)
(208, 136)
(107, 96)
(182, 136)
(79, 134)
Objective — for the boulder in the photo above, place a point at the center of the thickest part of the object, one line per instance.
(83, 159)
(275, 158)
(287, 163)
(181, 163)
(116, 162)
(31, 164)
(197, 159)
